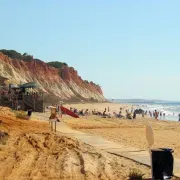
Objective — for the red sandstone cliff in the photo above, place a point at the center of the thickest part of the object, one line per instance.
(65, 84)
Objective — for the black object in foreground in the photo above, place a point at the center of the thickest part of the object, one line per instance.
(162, 163)
(29, 112)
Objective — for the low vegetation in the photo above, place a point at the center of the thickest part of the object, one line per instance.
(27, 57)
(16, 55)
(57, 64)
(135, 174)
(21, 115)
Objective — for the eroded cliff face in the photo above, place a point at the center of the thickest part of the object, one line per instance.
(65, 84)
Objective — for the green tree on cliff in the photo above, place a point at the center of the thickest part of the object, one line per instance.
(11, 53)
(57, 64)
(16, 55)
(27, 57)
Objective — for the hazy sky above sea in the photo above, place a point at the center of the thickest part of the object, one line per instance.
(131, 48)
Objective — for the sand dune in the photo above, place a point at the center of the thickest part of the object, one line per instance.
(50, 156)
(31, 152)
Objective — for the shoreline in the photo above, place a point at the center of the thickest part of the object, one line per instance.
(116, 108)
(127, 132)
(170, 115)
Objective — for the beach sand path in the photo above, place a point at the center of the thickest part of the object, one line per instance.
(135, 154)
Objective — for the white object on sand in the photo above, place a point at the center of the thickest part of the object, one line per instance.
(150, 140)
(149, 136)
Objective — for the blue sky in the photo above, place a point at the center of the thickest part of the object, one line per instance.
(131, 48)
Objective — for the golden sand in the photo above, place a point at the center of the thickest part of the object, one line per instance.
(31, 152)
(128, 132)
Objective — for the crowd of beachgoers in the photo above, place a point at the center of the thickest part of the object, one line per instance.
(129, 113)
(124, 112)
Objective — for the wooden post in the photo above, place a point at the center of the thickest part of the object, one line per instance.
(53, 123)
(51, 126)
(55, 126)
(34, 104)
(60, 112)
(53, 117)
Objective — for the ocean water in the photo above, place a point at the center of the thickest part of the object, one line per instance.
(171, 109)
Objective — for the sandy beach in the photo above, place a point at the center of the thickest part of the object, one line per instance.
(127, 132)
(31, 151)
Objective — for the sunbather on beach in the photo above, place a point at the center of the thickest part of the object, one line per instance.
(109, 115)
(115, 115)
(128, 116)
(99, 113)
(94, 112)
(119, 113)
(81, 112)
(75, 111)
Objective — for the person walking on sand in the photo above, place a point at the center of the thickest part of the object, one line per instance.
(164, 115)
(143, 114)
(86, 113)
(179, 117)
(156, 115)
(150, 114)
(134, 115)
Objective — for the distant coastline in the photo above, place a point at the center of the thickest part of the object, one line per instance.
(144, 101)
